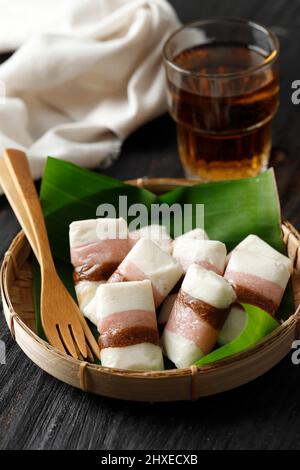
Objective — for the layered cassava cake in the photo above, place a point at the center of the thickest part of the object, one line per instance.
(197, 317)
(128, 327)
(146, 260)
(257, 279)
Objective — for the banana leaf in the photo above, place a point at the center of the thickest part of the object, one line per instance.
(258, 324)
(232, 210)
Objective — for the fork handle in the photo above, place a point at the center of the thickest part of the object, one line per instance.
(7, 183)
(9, 189)
(34, 224)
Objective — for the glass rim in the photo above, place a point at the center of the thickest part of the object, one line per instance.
(267, 62)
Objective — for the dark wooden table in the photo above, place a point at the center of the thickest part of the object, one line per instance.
(39, 412)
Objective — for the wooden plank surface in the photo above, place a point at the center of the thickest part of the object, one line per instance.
(39, 412)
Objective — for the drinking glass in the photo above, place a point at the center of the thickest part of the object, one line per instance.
(222, 90)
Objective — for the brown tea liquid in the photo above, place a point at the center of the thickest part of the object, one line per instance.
(223, 123)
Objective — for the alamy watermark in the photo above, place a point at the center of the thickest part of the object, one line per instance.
(2, 352)
(181, 218)
(295, 97)
(296, 354)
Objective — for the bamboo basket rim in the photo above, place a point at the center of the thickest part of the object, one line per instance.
(286, 329)
(289, 323)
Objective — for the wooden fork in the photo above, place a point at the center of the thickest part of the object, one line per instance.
(63, 323)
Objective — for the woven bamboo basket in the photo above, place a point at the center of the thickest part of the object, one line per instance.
(170, 385)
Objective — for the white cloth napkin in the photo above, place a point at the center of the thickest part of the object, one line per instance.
(90, 75)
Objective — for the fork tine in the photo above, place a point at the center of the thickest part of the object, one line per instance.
(78, 334)
(54, 339)
(90, 355)
(89, 337)
(94, 347)
(67, 339)
(80, 357)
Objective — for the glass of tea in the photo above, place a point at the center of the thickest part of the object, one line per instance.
(222, 88)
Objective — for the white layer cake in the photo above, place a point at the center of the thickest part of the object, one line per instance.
(197, 316)
(256, 245)
(143, 356)
(195, 234)
(146, 260)
(157, 233)
(121, 296)
(128, 326)
(208, 286)
(182, 351)
(166, 308)
(84, 232)
(86, 296)
(97, 247)
(258, 279)
(209, 254)
(233, 326)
